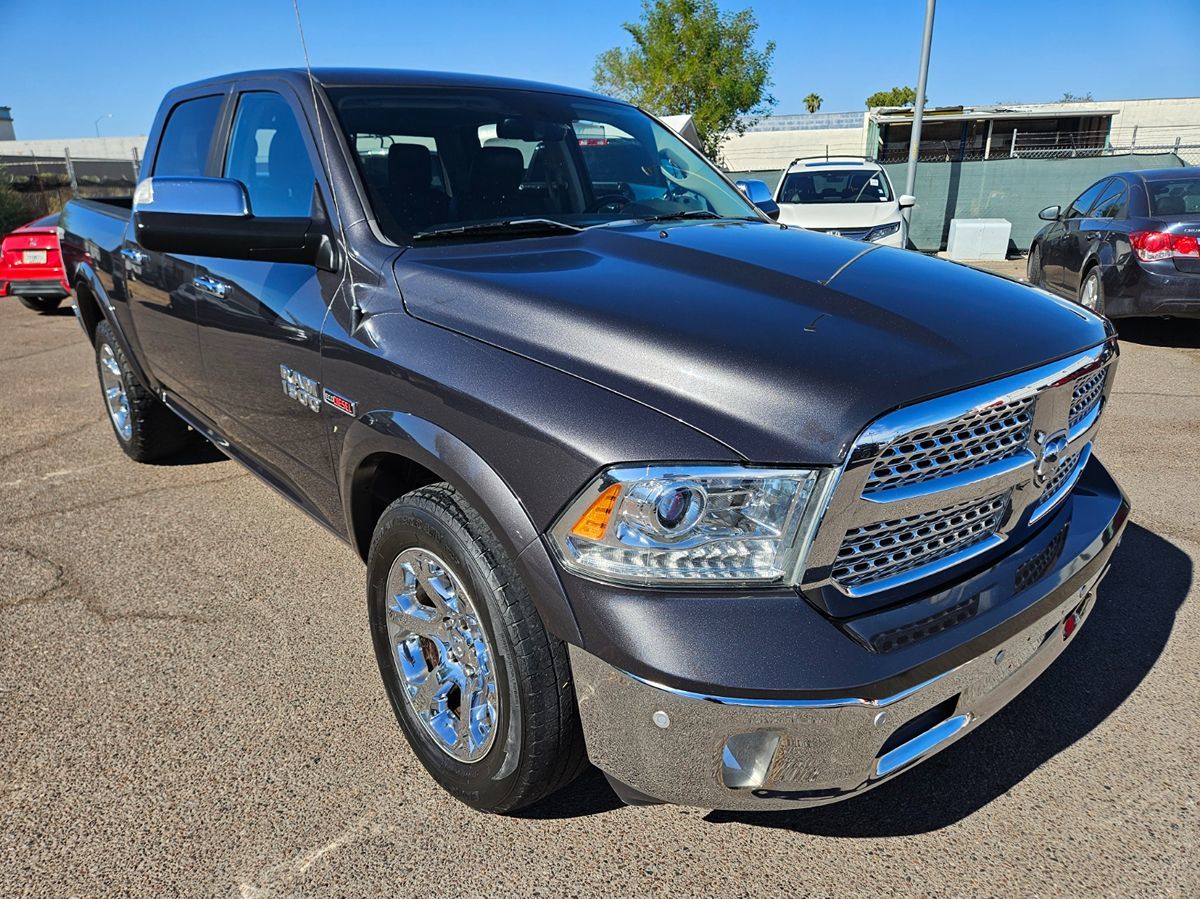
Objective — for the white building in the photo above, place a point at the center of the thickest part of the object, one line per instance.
(956, 133)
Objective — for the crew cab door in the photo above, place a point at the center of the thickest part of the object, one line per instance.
(260, 322)
(162, 298)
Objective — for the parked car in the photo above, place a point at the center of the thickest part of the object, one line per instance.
(844, 196)
(31, 265)
(1128, 245)
(747, 517)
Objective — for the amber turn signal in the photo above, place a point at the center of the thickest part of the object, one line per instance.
(594, 522)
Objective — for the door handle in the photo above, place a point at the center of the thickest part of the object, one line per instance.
(211, 286)
(135, 256)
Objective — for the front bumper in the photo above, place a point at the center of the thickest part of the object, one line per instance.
(677, 745)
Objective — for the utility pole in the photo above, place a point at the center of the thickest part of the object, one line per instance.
(914, 143)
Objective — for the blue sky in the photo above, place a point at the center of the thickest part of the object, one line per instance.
(65, 64)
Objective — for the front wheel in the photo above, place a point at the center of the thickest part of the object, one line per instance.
(43, 305)
(481, 691)
(1091, 292)
(1034, 274)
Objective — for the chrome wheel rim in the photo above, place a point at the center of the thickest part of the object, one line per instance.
(1091, 292)
(443, 659)
(115, 396)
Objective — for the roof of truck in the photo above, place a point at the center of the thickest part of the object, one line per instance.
(352, 77)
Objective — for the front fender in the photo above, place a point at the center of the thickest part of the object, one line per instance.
(410, 437)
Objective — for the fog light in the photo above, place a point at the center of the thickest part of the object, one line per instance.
(747, 759)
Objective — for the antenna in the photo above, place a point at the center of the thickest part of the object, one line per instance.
(356, 313)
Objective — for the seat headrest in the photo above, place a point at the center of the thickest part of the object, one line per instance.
(1169, 205)
(497, 167)
(409, 166)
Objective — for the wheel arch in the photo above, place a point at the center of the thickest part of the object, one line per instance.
(387, 453)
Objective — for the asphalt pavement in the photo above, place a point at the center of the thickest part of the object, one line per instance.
(189, 703)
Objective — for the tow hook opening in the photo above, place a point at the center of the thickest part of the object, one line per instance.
(918, 725)
(746, 759)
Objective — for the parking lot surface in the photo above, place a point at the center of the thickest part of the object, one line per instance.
(189, 703)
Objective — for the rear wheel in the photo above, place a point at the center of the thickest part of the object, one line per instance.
(481, 691)
(145, 428)
(1091, 292)
(40, 304)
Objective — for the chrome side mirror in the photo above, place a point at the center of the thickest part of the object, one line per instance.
(759, 194)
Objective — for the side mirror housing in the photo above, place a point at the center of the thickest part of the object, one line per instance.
(1050, 213)
(212, 217)
(759, 194)
(906, 201)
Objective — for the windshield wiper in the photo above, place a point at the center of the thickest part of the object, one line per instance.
(508, 227)
(682, 214)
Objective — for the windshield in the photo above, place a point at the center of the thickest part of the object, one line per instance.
(434, 159)
(836, 186)
(1176, 196)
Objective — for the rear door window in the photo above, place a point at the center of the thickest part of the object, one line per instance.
(267, 153)
(183, 149)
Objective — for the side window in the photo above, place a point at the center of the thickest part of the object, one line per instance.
(1112, 204)
(268, 155)
(1085, 200)
(183, 149)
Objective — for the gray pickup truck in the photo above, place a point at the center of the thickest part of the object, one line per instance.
(747, 516)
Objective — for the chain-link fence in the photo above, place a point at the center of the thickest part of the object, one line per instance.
(34, 186)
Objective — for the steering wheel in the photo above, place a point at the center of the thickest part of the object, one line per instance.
(609, 203)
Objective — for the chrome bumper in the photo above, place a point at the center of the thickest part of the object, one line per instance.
(726, 753)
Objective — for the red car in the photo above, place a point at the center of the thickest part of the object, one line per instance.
(31, 265)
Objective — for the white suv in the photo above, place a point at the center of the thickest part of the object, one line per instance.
(843, 195)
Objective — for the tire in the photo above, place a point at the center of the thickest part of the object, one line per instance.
(431, 550)
(1034, 272)
(1091, 291)
(145, 428)
(40, 304)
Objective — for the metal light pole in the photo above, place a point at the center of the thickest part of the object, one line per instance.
(914, 142)
(107, 115)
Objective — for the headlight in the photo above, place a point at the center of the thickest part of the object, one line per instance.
(666, 524)
(883, 231)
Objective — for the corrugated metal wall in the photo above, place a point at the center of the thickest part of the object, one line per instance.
(1013, 189)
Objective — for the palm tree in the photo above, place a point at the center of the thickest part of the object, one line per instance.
(813, 102)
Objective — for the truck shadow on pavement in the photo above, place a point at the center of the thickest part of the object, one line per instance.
(1177, 333)
(1124, 637)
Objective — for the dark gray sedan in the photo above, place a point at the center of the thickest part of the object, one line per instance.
(1128, 245)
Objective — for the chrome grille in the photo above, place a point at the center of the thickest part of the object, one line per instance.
(876, 551)
(1060, 477)
(928, 486)
(1085, 395)
(978, 438)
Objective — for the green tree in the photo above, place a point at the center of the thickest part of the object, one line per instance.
(689, 57)
(812, 102)
(14, 211)
(897, 96)
(1069, 97)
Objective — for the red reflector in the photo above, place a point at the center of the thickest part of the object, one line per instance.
(1070, 624)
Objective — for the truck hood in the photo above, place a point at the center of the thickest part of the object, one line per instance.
(838, 215)
(782, 344)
